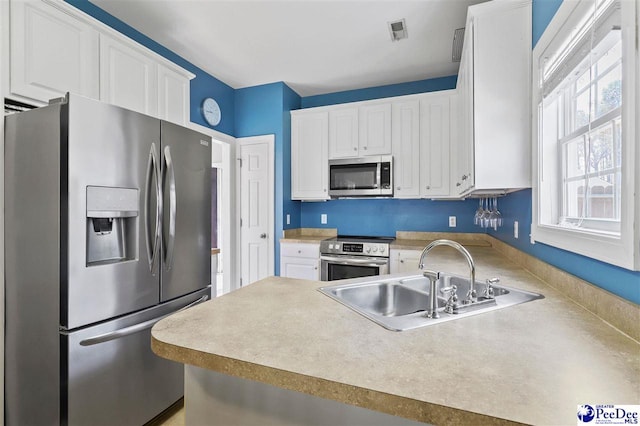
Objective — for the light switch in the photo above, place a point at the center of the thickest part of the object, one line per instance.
(288, 219)
(452, 221)
(323, 219)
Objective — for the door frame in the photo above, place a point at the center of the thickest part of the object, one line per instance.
(241, 142)
(228, 217)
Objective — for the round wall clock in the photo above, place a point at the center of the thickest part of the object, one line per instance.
(211, 111)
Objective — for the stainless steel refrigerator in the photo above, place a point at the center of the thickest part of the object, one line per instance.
(107, 230)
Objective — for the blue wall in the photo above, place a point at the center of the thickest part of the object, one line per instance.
(421, 86)
(386, 216)
(518, 206)
(383, 217)
(202, 86)
(261, 110)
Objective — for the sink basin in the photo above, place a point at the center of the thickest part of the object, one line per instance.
(399, 303)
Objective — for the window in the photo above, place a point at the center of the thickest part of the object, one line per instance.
(583, 94)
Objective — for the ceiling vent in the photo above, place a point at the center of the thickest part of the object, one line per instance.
(398, 30)
(458, 39)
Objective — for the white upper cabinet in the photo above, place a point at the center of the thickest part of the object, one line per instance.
(493, 151)
(434, 144)
(357, 131)
(128, 77)
(309, 155)
(343, 132)
(173, 96)
(55, 49)
(51, 53)
(406, 148)
(375, 129)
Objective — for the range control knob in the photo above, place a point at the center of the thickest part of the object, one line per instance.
(375, 249)
(368, 249)
(382, 249)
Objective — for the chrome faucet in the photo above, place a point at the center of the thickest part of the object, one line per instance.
(471, 295)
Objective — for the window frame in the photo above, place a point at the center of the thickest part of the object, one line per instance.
(624, 249)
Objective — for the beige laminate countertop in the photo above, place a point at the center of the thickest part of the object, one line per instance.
(532, 363)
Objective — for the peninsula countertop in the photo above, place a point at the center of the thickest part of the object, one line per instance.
(532, 363)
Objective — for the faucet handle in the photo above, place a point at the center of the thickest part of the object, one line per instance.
(452, 302)
(488, 291)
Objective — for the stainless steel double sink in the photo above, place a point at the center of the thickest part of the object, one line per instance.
(400, 303)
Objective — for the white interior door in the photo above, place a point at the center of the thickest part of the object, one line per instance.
(223, 155)
(256, 207)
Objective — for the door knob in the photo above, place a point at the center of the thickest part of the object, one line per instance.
(263, 235)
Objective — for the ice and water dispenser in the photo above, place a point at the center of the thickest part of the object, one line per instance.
(111, 224)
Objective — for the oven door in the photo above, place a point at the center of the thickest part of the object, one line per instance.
(339, 267)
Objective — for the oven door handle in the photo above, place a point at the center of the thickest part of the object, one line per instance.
(355, 261)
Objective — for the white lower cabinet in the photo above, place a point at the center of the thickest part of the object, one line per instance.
(300, 260)
(404, 261)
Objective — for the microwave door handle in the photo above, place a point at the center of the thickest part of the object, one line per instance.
(378, 175)
(171, 176)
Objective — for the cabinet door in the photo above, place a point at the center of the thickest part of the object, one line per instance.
(128, 77)
(406, 148)
(51, 53)
(464, 174)
(173, 96)
(300, 267)
(375, 129)
(309, 163)
(343, 133)
(300, 261)
(404, 261)
(434, 146)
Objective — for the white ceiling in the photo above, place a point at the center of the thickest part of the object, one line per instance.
(314, 46)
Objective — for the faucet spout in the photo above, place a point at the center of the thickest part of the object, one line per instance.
(471, 295)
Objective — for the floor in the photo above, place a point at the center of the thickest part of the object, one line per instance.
(172, 416)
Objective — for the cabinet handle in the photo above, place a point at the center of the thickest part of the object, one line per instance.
(299, 251)
(364, 147)
(464, 177)
(428, 187)
(399, 188)
(401, 261)
(458, 184)
(355, 148)
(316, 268)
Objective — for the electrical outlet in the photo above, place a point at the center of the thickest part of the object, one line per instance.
(515, 229)
(288, 219)
(323, 219)
(452, 221)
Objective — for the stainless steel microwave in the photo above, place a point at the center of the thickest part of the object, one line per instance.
(361, 177)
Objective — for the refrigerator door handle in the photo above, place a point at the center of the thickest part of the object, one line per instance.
(171, 176)
(152, 171)
(101, 338)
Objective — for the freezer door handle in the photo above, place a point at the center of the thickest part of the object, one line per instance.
(101, 338)
(171, 176)
(152, 171)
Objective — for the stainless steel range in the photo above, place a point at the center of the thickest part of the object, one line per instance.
(347, 256)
